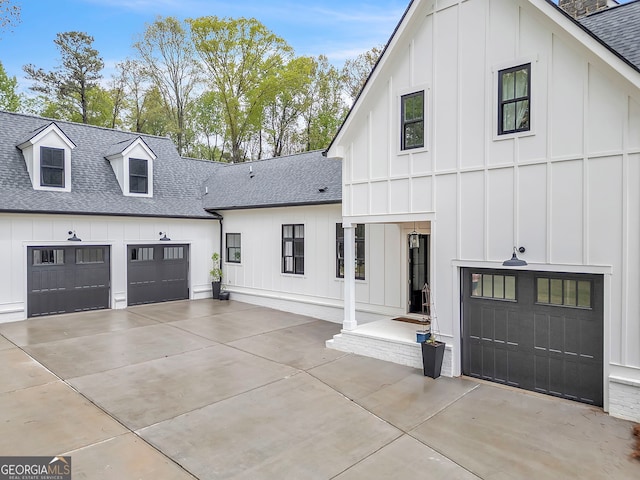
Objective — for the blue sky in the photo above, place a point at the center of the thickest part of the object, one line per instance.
(337, 28)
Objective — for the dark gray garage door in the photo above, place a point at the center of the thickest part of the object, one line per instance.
(157, 273)
(538, 331)
(65, 279)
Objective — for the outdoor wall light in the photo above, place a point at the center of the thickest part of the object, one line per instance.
(73, 238)
(164, 237)
(514, 261)
(414, 238)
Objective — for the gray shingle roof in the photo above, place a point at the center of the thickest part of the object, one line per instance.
(618, 27)
(280, 181)
(177, 187)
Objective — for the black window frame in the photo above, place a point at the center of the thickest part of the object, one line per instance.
(234, 247)
(360, 267)
(49, 166)
(405, 124)
(502, 103)
(136, 178)
(296, 254)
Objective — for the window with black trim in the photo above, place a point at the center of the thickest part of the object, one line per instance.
(565, 292)
(293, 249)
(234, 248)
(138, 175)
(51, 167)
(412, 113)
(514, 94)
(493, 286)
(360, 249)
(48, 256)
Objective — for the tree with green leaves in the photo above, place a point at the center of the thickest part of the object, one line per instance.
(244, 61)
(282, 115)
(79, 72)
(356, 71)
(9, 99)
(325, 107)
(167, 55)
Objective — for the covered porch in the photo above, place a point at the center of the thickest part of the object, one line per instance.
(388, 339)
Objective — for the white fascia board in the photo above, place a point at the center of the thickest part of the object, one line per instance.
(402, 26)
(44, 132)
(586, 40)
(139, 142)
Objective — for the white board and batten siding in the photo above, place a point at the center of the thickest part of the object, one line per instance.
(258, 278)
(567, 190)
(116, 232)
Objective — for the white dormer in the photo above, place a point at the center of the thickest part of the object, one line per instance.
(47, 153)
(132, 162)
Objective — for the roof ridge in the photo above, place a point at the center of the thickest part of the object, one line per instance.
(68, 122)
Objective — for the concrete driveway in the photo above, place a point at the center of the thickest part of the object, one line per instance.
(211, 390)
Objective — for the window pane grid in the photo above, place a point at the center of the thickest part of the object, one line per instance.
(514, 108)
(51, 167)
(493, 286)
(90, 255)
(138, 175)
(234, 252)
(48, 256)
(293, 249)
(360, 251)
(567, 293)
(142, 254)
(412, 106)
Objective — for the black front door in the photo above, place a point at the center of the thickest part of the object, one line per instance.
(418, 272)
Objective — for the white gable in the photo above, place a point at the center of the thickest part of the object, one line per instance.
(49, 137)
(121, 161)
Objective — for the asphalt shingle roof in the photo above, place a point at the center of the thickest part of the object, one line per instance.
(177, 182)
(619, 28)
(292, 180)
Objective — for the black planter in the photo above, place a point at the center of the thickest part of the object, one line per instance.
(432, 355)
(215, 288)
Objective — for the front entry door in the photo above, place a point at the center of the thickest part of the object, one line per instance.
(418, 272)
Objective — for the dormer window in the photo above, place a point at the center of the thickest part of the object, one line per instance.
(138, 175)
(132, 162)
(47, 155)
(52, 167)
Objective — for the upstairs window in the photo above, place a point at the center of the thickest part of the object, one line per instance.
(412, 112)
(360, 249)
(52, 167)
(293, 249)
(138, 176)
(514, 93)
(234, 252)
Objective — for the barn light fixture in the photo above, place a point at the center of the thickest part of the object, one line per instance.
(414, 238)
(164, 237)
(73, 238)
(514, 261)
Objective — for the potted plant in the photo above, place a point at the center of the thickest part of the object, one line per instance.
(216, 275)
(432, 356)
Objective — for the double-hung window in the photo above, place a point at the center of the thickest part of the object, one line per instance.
(293, 249)
(138, 175)
(360, 249)
(412, 113)
(234, 252)
(51, 167)
(514, 94)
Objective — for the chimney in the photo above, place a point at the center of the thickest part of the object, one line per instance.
(581, 8)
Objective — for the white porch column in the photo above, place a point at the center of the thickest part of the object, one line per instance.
(349, 322)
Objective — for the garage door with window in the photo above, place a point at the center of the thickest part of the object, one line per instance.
(157, 273)
(538, 331)
(62, 279)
